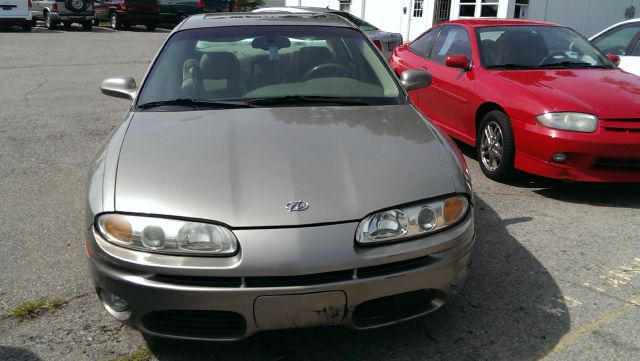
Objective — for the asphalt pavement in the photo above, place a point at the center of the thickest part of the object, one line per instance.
(555, 273)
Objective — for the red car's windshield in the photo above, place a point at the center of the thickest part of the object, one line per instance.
(535, 47)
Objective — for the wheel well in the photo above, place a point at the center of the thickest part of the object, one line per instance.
(483, 110)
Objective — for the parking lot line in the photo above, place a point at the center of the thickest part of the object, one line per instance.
(577, 334)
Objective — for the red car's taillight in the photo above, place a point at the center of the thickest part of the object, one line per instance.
(121, 5)
(378, 44)
(30, 5)
(200, 4)
(54, 6)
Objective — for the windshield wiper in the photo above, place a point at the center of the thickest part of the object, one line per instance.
(510, 66)
(571, 64)
(304, 99)
(197, 104)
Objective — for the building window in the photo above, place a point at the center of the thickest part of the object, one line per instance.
(345, 5)
(479, 8)
(418, 8)
(489, 9)
(522, 7)
(467, 8)
(442, 11)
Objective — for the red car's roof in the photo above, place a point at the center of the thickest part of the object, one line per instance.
(497, 22)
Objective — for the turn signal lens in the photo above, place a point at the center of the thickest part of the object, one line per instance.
(118, 227)
(453, 209)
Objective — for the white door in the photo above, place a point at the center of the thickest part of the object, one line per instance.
(418, 18)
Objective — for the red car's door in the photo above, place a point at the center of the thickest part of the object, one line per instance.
(447, 100)
(412, 56)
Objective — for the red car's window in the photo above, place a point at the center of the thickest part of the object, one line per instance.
(452, 40)
(518, 47)
(422, 45)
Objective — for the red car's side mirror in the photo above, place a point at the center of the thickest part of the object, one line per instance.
(615, 59)
(458, 61)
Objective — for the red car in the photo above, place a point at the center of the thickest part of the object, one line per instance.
(528, 95)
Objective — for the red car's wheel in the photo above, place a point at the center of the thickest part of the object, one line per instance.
(495, 146)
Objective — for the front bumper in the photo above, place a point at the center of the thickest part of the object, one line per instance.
(73, 17)
(607, 155)
(307, 284)
(18, 20)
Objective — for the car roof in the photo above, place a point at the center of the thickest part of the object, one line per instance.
(295, 9)
(263, 18)
(634, 20)
(497, 22)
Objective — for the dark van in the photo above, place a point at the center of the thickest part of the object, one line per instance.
(122, 14)
(174, 11)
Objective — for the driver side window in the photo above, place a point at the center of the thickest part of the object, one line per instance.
(422, 45)
(453, 40)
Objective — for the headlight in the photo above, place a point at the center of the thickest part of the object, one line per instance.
(411, 221)
(161, 235)
(577, 122)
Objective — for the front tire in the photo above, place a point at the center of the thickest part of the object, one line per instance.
(96, 22)
(495, 146)
(115, 22)
(51, 25)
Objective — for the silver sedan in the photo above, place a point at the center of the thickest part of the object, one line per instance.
(272, 173)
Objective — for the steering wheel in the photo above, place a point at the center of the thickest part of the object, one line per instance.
(553, 54)
(328, 67)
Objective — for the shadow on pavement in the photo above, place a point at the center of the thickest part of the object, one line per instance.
(510, 308)
(618, 195)
(17, 354)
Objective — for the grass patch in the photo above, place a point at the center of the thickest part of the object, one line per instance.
(142, 354)
(32, 309)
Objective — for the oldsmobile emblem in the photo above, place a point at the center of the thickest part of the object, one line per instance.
(297, 206)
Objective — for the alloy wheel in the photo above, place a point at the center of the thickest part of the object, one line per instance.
(492, 146)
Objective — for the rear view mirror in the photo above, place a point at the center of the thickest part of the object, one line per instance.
(120, 87)
(267, 43)
(615, 59)
(458, 61)
(415, 79)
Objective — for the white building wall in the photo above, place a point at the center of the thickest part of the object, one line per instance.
(585, 16)
(333, 4)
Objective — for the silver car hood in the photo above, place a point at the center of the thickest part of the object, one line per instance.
(242, 166)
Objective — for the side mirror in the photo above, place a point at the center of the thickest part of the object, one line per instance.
(120, 87)
(415, 79)
(615, 59)
(458, 61)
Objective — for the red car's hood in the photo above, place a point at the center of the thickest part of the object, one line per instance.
(607, 93)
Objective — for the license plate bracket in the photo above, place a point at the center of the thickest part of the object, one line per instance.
(300, 310)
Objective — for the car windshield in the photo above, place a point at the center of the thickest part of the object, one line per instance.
(536, 47)
(268, 66)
